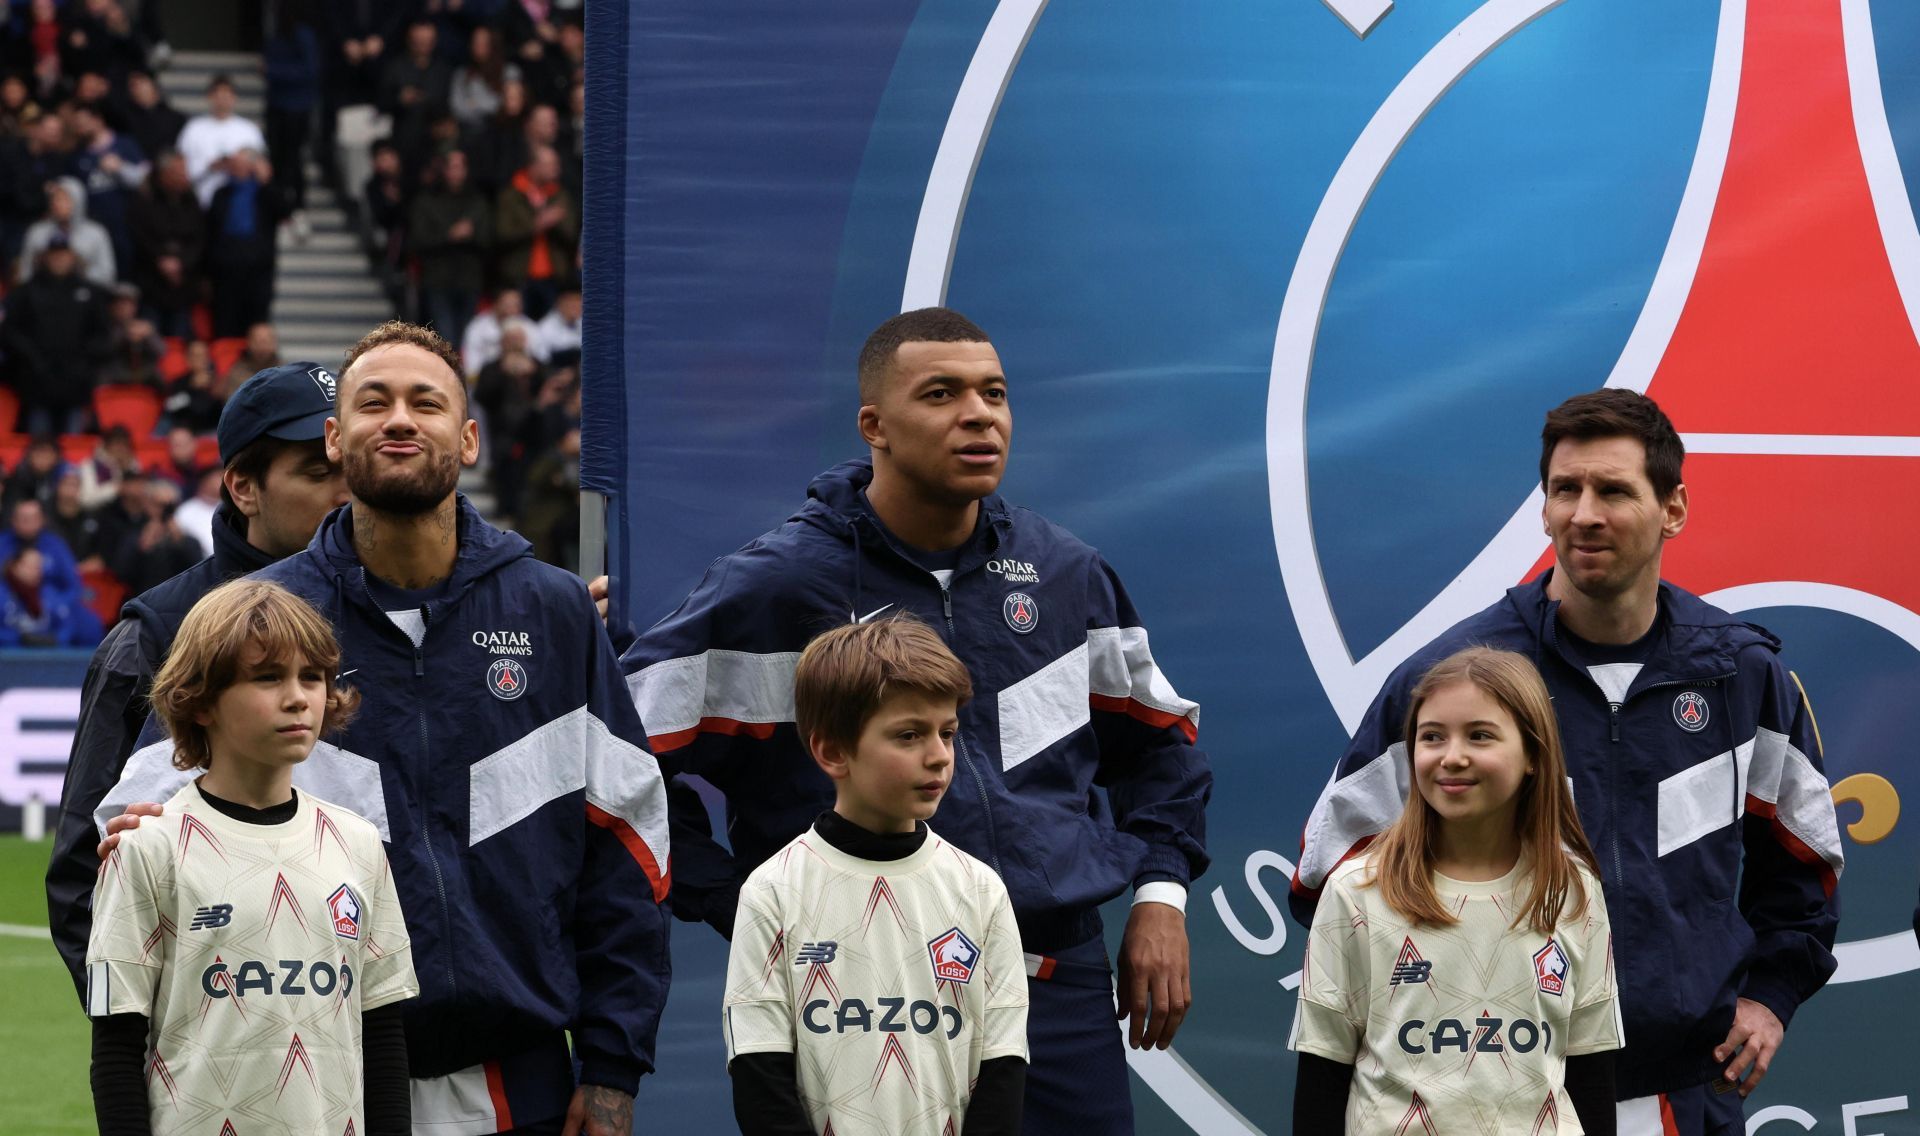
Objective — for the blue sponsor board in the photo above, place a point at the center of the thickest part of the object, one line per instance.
(39, 705)
(1281, 307)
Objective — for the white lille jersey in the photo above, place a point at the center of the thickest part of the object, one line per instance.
(1461, 1029)
(890, 982)
(253, 949)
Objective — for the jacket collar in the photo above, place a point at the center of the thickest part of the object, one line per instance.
(1700, 640)
(482, 550)
(837, 503)
(232, 555)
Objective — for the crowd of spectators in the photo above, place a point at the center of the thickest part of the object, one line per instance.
(138, 250)
(473, 212)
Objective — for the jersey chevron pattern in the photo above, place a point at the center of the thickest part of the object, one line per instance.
(253, 950)
(1457, 1030)
(889, 982)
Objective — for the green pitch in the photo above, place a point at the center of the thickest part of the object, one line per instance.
(43, 1036)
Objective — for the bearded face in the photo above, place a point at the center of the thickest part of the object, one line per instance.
(401, 430)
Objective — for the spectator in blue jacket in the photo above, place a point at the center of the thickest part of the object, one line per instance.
(111, 167)
(27, 528)
(32, 614)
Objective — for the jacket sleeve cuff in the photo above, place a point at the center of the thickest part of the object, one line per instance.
(1169, 892)
(621, 1074)
(1163, 862)
(1774, 994)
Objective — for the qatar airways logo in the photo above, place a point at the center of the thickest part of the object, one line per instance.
(1015, 571)
(503, 642)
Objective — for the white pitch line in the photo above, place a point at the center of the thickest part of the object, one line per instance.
(1810, 445)
(17, 931)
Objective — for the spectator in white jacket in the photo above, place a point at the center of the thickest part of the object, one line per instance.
(556, 338)
(209, 140)
(481, 344)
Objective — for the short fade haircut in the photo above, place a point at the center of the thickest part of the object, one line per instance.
(219, 80)
(212, 646)
(399, 332)
(922, 325)
(847, 674)
(1614, 412)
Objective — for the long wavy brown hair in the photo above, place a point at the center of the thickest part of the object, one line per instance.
(1551, 839)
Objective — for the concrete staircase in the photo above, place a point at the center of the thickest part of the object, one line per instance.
(325, 294)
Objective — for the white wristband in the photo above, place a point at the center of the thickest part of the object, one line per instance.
(1162, 891)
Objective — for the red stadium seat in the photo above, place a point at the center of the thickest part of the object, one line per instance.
(126, 404)
(225, 352)
(152, 454)
(9, 410)
(207, 452)
(174, 363)
(103, 593)
(76, 448)
(202, 318)
(13, 447)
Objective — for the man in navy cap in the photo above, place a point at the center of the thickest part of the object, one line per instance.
(277, 486)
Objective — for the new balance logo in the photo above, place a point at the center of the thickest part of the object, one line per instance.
(1409, 966)
(207, 918)
(821, 952)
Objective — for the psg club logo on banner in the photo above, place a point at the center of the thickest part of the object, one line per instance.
(1707, 335)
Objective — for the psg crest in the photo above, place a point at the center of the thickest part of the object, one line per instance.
(1690, 711)
(1023, 615)
(506, 679)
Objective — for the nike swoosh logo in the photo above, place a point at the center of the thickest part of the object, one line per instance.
(869, 616)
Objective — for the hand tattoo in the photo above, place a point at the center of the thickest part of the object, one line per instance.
(608, 1110)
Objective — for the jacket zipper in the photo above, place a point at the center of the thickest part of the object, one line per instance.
(1613, 735)
(960, 744)
(426, 820)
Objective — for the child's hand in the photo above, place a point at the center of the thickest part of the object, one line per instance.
(125, 821)
(1756, 1036)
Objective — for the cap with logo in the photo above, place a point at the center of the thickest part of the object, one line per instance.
(292, 402)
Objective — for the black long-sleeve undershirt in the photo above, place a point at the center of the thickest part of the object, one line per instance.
(120, 1089)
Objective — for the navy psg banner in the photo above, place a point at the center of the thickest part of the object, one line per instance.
(1283, 289)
